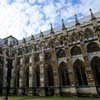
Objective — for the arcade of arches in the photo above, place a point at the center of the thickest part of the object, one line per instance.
(29, 80)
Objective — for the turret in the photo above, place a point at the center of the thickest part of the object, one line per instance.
(41, 34)
(77, 23)
(92, 15)
(52, 30)
(63, 25)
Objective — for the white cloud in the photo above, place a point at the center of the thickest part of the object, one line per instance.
(41, 1)
(49, 10)
(15, 15)
(31, 1)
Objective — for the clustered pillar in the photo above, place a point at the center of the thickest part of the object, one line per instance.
(13, 76)
(21, 77)
(42, 85)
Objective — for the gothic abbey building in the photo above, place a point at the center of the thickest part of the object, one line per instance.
(65, 62)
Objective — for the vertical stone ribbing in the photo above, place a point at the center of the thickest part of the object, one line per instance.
(21, 77)
(42, 91)
(5, 84)
(13, 76)
(31, 73)
(55, 71)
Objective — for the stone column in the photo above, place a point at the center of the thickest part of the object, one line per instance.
(13, 76)
(42, 90)
(31, 74)
(21, 77)
(70, 71)
(27, 68)
(5, 84)
(55, 71)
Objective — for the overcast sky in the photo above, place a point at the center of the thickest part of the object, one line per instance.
(21, 18)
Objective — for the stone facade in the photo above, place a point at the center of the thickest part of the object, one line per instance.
(61, 63)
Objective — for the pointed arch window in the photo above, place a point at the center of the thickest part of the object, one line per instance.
(49, 81)
(80, 75)
(92, 47)
(75, 51)
(63, 75)
(95, 64)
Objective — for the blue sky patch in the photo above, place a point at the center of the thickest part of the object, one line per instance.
(18, 17)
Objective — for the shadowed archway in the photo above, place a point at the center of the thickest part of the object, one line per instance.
(63, 76)
(95, 64)
(92, 47)
(75, 51)
(9, 66)
(49, 81)
(36, 81)
(80, 75)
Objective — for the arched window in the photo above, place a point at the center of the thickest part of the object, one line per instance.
(95, 64)
(60, 53)
(79, 70)
(92, 47)
(75, 51)
(63, 75)
(49, 82)
(88, 33)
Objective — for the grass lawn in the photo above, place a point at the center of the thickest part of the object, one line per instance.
(50, 98)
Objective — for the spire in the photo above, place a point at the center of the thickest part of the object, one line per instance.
(76, 20)
(52, 30)
(41, 34)
(63, 25)
(92, 15)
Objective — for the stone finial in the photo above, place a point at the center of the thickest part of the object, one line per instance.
(32, 37)
(52, 30)
(24, 41)
(92, 15)
(41, 34)
(76, 20)
(63, 25)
